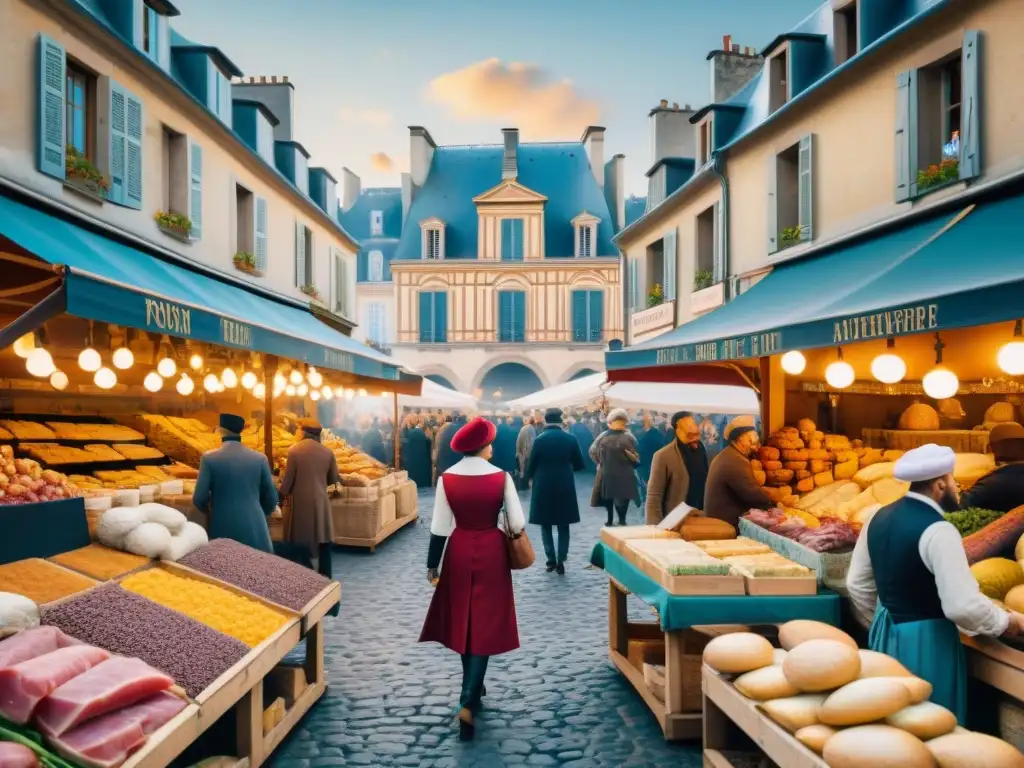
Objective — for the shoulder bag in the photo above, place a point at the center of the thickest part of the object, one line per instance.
(520, 548)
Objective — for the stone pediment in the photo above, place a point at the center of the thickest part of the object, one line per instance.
(510, 191)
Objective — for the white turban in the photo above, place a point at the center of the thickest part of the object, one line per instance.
(925, 463)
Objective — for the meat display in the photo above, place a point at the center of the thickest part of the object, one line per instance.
(24, 685)
(31, 643)
(16, 756)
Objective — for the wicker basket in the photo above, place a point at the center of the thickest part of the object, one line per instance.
(362, 518)
(406, 498)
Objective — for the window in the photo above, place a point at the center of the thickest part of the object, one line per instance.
(245, 221)
(376, 323)
(150, 32)
(433, 317)
(219, 93)
(340, 266)
(177, 175)
(585, 240)
(512, 316)
(303, 257)
(511, 239)
(80, 110)
(376, 223)
(704, 272)
(432, 244)
(265, 138)
(706, 139)
(657, 183)
(778, 73)
(845, 38)
(791, 195)
(587, 316)
(375, 267)
(655, 272)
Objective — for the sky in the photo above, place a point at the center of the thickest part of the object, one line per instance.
(365, 70)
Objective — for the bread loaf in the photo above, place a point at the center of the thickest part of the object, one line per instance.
(974, 750)
(738, 652)
(876, 746)
(823, 665)
(794, 712)
(797, 631)
(766, 683)
(814, 736)
(863, 701)
(926, 720)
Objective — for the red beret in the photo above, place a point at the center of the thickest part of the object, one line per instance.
(474, 436)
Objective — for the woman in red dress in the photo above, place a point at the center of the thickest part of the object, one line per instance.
(473, 610)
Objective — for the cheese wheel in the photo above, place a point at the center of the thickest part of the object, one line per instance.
(794, 712)
(765, 683)
(875, 664)
(822, 665)
(920, 690)
(864, 701)
(738, 652)
(876, 746)
(778, 656)
(926, 720)
(792, 633)
(974, 750)
(814, 736)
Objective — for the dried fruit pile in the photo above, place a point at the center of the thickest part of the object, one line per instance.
(23, 481)
(40, 581)
(100, 562)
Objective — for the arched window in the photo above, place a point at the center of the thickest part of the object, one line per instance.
(376, 267)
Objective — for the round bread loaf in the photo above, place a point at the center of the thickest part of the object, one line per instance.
(794, 712)
(793, 633)
(864, 701)
(926, 720)
(738, 652)
(814, 736)
(766, 683)
(821, 665)
(974, 750)
(875, 664)
(876, 746)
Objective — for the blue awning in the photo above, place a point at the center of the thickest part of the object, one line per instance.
(110, 282)
(946, 271)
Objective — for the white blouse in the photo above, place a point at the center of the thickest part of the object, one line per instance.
(443, 522)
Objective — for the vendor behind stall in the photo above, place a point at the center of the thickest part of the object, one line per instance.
(731, 489)
(910, 572)
(1002, 489)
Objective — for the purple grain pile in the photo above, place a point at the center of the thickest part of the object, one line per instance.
(269, 576)
(128, 624)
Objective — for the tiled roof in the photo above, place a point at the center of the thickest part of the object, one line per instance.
(559, 171)
(635, 207)
(387, 249)
(388, 200)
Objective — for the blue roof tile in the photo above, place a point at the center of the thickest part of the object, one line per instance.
(388, 200)
(559, 171)
(635, 207)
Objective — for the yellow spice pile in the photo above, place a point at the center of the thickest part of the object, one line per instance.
(100, 562)
(40, 581)
(234, 615)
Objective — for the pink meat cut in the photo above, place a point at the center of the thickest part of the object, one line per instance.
(24, 685)
(107, 741)
(17, 756)
(31, 643)
(113, 684)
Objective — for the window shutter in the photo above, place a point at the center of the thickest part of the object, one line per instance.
(52, 76)
(426, 316)
(340, 283)
(906, 135)
(260, 235)
(718, 252)
(504, 316)
(579, 315)
(441, 316)
(133, 152)
(376, 266)
(310, 244)
(506, 239)
(164, 43)
(118, 145)
(588, 241)
(225, 99)
(300, 255)
(669, 263)
(773, 205)
(595, 325)
(805, 187)
(517, 239)
(634, 285)
(519, 315)
(970, 109)
(195, 188)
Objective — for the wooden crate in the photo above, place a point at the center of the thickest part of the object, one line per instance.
(692, 585)
(406, 499)
(782, 585)
(361, 518)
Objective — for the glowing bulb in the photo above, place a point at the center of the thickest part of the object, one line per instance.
(302, 389)
(248, 379)
(211, 383)
(24, 345)
(314, 395)
(59, 380)
(794, 363)
(314, 378)
(1011, 358)
(339, 392)
(940, 383)
(888, 368)
(195, 362)
(123, 358)
(279, 381)
(349, 394)
(166, 367)
(185, 385)
(327, 393)
(295, 377)
(105, 378)
(839, 375)
(89, 360)
(259, 390)
(40, 363)
(385, 394)
(153, 382)
(229, 378)
(362, 393)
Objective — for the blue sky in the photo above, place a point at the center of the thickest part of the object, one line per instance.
(364, 70)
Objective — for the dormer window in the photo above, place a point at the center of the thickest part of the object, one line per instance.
(585, 235)
(432, 234)
(845, 38)
(151, 32)
(376, 223)
(376, 267)
(778, 76)
(706, 139)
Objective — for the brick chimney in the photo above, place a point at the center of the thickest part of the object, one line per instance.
(421, 152)
(671, 132)
(275, 93)
(593, 143)
(350, 189)
(732, 68)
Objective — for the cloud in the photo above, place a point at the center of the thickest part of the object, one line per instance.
(378, 117)
(522, 95)
(382, 162)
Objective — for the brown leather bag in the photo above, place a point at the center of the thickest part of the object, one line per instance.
(520, 548)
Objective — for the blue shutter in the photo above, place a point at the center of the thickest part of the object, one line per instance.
(517, 239)
(118, 145)
(426, 317)
(225, 99)
(260, 234)
(441, 317)
(718, 251)
(579, 316)
(970, 106)
(300, 255)
(52, 76)
(669, 258)
(506, 239)
(195, 188)
(773, 204)
(164, 44)
(595, 323)
(134, 131)
(504, 315)
(906, 135)
(519, 314)
(805, 187)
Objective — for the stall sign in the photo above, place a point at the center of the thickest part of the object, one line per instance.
(168, 317)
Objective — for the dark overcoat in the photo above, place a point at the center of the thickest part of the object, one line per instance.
(446, 457)
(311, 468)
(554, 458)
(616, 478)
(415, 456)
(585, 439)
(505, 448)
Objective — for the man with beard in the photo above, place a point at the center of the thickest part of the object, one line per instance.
(731, 489)
(909, 571)
(679, 472)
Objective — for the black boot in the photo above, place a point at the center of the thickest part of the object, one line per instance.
(561, 569)
(550, 566)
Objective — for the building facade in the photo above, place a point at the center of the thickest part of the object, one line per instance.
(114, 119)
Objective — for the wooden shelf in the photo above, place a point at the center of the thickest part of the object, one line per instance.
(996, 663)
(675, 726)
(383, 533)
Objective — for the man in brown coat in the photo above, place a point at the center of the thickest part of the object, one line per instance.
(678, 471)
(732, 489)
(311, 469)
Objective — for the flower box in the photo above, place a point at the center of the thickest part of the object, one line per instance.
(174, 225)
(177, 233)
(312, 292)
(245, 262)
(86, 188)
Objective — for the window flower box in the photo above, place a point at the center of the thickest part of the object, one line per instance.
(938, 175)
(82, 176)
(702, 278)
(655, 296)
(246, 262)
(175, 225)
(790, 236)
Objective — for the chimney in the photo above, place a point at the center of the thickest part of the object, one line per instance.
(350, 188)
(421, 152)
(732, 68)
(593, 143)
(509, 159)
(671, 132)
(275, 93)
(406, 195)
(614, 190)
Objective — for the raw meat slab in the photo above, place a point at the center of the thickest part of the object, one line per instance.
(24, 685)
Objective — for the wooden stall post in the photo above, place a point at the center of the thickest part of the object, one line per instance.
(397, 435)
(773, 394)
(269, 371)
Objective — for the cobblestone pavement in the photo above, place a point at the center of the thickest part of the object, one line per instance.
(555, 701)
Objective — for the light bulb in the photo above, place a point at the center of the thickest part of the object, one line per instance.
(1011, 358)
(385, 394)
(59, 380)
(279, 381)
(40, 363)
(185, 385)
(940, 383)
(123, 358)
(166, 367)
(105, 378)
(229, 378)
(259, 390)
(794, 362)
(220, 386)
(248, 379)
(361, 393)
(210, 382)
(314, 395)
(839, 375)
(302, 389)
(195, 362)
(327, 392)
(290, 390)
(314, 378)
(888, 368)
(89, 360)
(153, 382)
(339, 392)
(295, 377)
(24, 345)
(349, 394)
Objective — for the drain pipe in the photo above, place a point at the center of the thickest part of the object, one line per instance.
(718, 168)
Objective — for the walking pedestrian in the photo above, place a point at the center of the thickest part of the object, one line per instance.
(505, 446)
(472, 611)
(615, 453)
(649, 440)
(446, 455)
(554, 458)
(524, 444)
(416, 453)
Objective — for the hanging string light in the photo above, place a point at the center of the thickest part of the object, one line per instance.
(840, 374)
(259, 390)
(229, 378)
(123, 358)
(211, 383)
(302, 389)
(295, 377)
(327, 392)
(59, 380)
(290, 390)
(794, 362)
(105, 378)
(889, 368)
(166, 367)
(314, 395)
(24, 345)
(940, 383)
(362, 393)
(1011, 354)
(248, 379)
(153, 382)
(314, 378)
(195, 362)
(185, 385)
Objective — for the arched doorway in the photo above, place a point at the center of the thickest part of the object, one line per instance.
(582, 374)
(507, 381)
(438, 379)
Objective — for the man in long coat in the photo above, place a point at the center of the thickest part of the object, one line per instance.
(524, 444)
(615, 453)
(235, 489)
(505, 446)
(555, 456)
(731, 488)
(582, 434)
(649, 440)
(416, 453)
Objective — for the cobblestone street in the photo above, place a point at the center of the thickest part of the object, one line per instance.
(556, 701)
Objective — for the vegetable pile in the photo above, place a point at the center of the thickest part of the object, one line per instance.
(972, 519)
(23, 481)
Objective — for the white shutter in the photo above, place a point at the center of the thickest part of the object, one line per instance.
(669, 259)
(195, 189)
(260, 234)
(300, 255)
